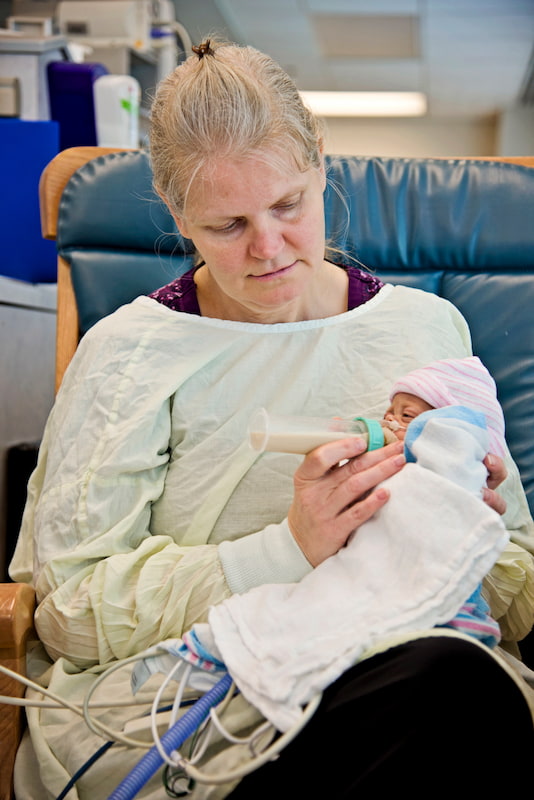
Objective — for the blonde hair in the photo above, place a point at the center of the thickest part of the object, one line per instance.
(227, 100)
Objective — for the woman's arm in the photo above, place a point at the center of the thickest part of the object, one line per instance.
(110, 581)
(106, 586)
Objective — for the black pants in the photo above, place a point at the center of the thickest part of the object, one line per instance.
(437, 717)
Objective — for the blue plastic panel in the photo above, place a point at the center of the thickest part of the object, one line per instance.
(25, 148)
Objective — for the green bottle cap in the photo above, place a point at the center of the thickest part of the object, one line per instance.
(376, 433)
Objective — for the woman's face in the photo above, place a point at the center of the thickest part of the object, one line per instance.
(261, 234)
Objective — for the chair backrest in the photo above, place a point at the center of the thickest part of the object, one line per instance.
(114, 236)
(462, 228)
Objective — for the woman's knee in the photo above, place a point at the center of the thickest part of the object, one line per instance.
(437, 676)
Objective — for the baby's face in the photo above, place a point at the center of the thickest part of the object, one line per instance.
(404, 407)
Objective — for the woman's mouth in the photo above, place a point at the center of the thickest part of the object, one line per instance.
(274, 274)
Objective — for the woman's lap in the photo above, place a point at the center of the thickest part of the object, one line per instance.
(437, 711)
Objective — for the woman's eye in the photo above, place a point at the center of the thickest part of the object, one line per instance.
(228, 228)
(290, 205)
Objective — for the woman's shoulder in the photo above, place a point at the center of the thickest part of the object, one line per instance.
(423, 298)
(362, 286)
(131, 317)
(180, 294)
(140, 338)
(140, 325)
(423, 311)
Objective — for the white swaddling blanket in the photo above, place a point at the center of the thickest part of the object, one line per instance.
(409, 568)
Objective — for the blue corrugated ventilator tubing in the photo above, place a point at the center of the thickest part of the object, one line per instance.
(171, 740)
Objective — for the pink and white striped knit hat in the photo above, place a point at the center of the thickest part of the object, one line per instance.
(458, 381)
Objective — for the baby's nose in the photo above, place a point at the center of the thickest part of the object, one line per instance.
(393, 423)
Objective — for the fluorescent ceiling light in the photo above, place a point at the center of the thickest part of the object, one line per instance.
(366, 104)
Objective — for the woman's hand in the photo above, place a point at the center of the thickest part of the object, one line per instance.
(331, 501)
(497, 473)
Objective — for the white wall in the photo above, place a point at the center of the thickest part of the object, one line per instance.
(515, 132)
(412, 137)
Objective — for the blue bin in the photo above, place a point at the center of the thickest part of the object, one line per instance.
(70, 89)
(26, 147)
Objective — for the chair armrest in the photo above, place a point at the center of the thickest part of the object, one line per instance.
(17, 604)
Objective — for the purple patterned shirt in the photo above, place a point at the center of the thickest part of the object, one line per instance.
(181, 294)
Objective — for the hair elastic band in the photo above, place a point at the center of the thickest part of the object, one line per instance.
(203, 49)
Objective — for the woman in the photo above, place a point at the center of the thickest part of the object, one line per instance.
(148, 506)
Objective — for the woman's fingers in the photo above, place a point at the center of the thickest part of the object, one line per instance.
(360, 476)
(324, 458)
(497, 471)
(494, 501)
(330, 501)
(352, 450)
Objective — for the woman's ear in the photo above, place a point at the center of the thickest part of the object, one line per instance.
(182, 227)
(180, 222)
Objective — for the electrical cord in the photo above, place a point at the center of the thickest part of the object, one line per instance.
(101, 751)
(83, 769)
(59, 701)
(267, 755)
(175, 759)
(177, 703)
(172, 739)
(97, 726)
(157, 752)
(56, 701)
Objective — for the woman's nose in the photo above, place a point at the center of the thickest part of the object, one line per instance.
(266, 242)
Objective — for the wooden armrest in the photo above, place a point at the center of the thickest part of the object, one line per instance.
(17, 605)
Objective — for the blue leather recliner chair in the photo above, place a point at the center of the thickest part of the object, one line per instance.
(462, 228)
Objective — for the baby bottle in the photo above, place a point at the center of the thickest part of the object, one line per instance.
(294, 434)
